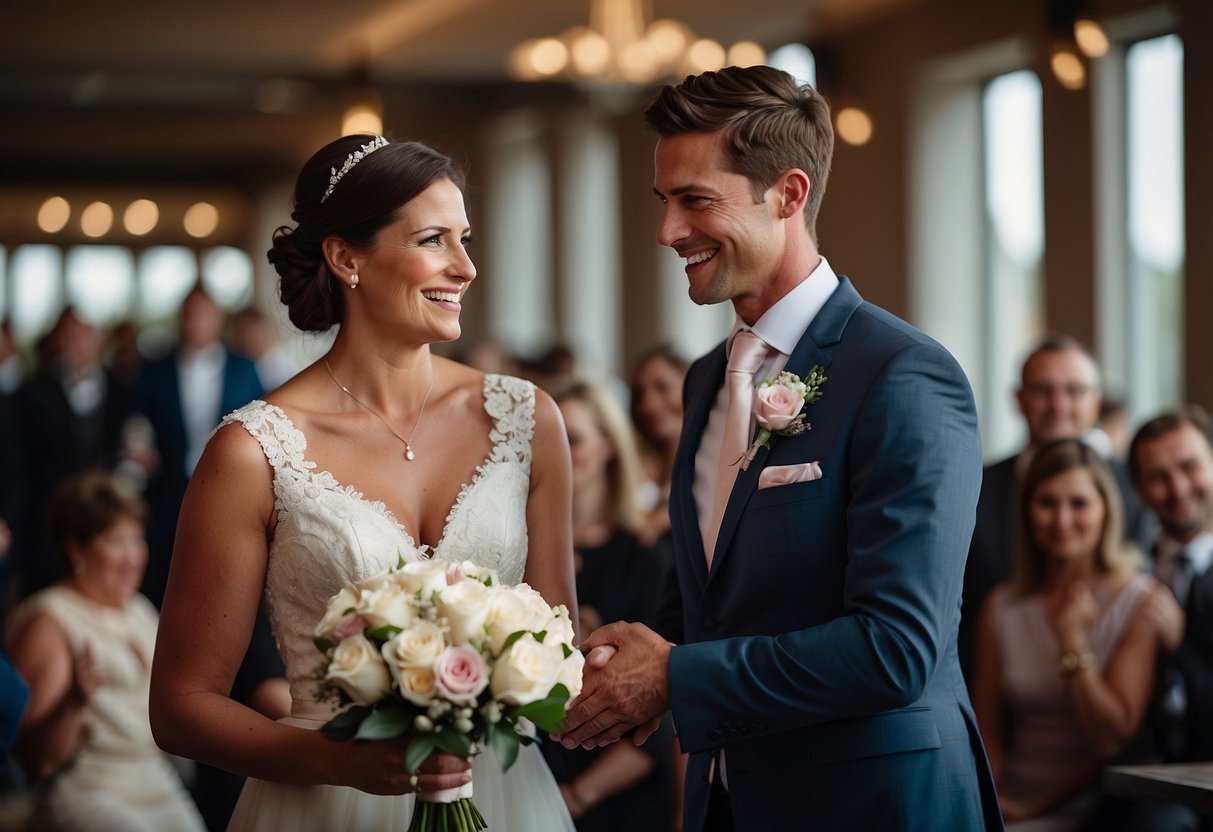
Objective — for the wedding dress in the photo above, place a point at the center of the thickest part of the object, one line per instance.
(328, 537)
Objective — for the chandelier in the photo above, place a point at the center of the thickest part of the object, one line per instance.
(617, 47)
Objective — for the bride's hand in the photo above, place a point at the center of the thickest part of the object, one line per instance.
(378, 768)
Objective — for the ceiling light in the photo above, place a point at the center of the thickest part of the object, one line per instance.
(617, 46)
(140, 217)
(1068, 68)
(201, 220)
(1090, 37)
(97, 219)
(54, 214)
(854, 126)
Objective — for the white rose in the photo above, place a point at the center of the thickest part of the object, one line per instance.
(335, 612)
(417, 646)
(387, 604)
(561, 626)
(526, 672)
(418, 685)
(509, 612)
(475, 572)
(569, 674)
(465, 606)
(423, 576)
(359, 670)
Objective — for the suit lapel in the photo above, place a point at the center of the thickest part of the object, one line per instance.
(813, 348)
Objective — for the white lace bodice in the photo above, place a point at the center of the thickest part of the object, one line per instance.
(328, 536)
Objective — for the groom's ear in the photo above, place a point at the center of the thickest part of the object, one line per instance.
(791, 192)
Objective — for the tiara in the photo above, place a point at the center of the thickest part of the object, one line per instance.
(351, 160)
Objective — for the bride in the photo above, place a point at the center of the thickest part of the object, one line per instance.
(378, 451)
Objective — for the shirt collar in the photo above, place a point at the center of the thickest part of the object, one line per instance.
(784, 324)
(1200, 550)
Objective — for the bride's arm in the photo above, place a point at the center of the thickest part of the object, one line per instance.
(218, 570)
(549, 563)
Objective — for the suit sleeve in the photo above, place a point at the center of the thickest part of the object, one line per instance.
(914, 471)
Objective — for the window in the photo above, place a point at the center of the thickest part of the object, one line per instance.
(100, 282)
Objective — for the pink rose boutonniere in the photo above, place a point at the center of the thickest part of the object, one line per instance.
(779, 405)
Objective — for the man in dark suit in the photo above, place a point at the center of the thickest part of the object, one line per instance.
(1059, 397)
(1172, 464)
(814, 677)
(69, 417)
(183, 396)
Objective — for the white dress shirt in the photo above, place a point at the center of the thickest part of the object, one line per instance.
(781, 327)
(200, 374)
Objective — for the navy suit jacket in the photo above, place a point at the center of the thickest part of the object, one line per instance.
(820, 650)
(158, 397)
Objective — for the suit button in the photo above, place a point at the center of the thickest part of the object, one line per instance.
(708, 622)
(714, 734)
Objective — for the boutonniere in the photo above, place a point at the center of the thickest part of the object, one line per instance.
(779, 405)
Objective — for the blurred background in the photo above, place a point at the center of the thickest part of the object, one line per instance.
(1003, 168)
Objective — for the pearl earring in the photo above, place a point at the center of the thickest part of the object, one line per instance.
(353, 281)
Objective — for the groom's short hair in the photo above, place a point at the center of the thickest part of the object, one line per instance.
(771, 123)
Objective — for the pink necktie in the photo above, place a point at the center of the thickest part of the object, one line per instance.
(745, 357)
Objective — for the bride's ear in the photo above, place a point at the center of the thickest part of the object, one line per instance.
(342, 259)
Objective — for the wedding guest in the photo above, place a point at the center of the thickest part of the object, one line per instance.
(1059, 397)
(85, 647)
(255, 336)
(1067, 649)
(454, 465)
(1172, 463)
(70, 416)
(618, 578)
(657, 415)
(12, 368)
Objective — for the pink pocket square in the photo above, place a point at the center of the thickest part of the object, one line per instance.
(788, 474)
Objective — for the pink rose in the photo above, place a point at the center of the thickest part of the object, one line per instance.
(776, 407)
(350, 625)
(461, 674)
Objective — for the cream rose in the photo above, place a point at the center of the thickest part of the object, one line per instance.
(509, 612)
(423, 576)
(461, 675)
(389, 604)
(465, 607)
(338, 609)
(417, 685)
(471, 570)
(561, 626)
(417, 646)
(526, 671)
(776, 406)
(569, 673)
(359, 670)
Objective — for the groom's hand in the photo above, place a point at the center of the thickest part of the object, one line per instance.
(621, 691)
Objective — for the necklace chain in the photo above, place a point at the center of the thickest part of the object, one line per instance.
(408, 443)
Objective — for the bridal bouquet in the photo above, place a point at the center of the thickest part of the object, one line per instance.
(451, 657)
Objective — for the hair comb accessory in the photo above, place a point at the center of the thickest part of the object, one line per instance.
(351, 160)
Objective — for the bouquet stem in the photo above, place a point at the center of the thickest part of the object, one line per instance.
(459, 816)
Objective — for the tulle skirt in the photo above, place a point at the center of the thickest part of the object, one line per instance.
(523, 799)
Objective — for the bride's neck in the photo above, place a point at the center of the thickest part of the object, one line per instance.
(387, 380)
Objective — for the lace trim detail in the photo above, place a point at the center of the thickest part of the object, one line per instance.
(510, 402)
(285, 447)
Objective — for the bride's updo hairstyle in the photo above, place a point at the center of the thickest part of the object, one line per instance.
(366, 198)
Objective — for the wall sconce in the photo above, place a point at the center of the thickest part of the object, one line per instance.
(363, 112)
(1076, 38)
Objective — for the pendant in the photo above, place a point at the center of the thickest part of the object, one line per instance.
(408, 452)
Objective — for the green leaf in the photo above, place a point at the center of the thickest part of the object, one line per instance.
(511, 638)
(503, 739)
(324, 645)
(453, 742)
(540, 636)
(547, 714)
(568, 651)
(420, 747)
(349, 610)
(345, 725)
(400, 560)
(385, 724)
(383, 633)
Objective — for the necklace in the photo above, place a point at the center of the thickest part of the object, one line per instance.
(408, 443)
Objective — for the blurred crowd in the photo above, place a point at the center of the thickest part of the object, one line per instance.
(1086, 630)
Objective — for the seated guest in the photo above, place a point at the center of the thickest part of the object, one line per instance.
(1067, 650)
(1171, 460)
(619, 786)
(657, 417)
(84, 645)
(1059, 397)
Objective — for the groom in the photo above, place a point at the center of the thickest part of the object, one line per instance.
(813, 675)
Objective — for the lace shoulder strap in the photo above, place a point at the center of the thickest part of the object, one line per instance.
(283, 443)
(510, 402)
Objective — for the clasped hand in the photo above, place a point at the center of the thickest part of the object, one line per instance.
(626, 686)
